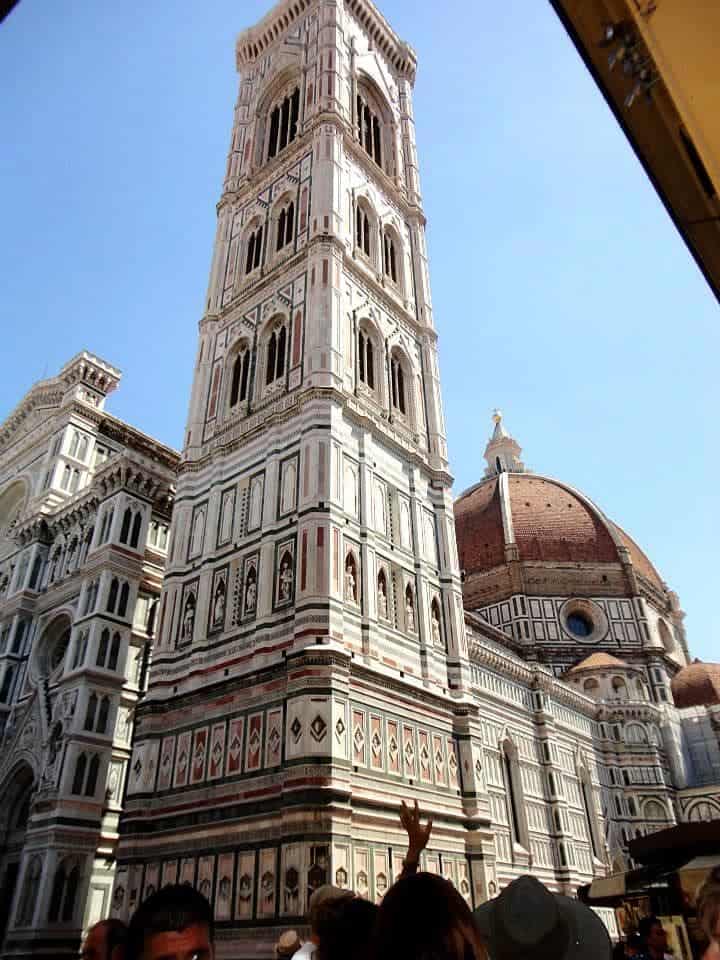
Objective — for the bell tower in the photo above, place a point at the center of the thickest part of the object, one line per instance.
(311, 663)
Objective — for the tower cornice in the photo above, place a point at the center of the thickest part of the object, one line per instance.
(253, 42)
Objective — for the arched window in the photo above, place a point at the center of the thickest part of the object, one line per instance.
(103, 715)
(590, 687)
(254, 250)
(124, 595)
(285, 226)
(369, 129)
(513, 792)
(390, 257)
(67, 474)
(125, 528)
(620, 688)
(90, 712)
(397, 382)
(366, 360)
(79, 777)
(35, 572)
(362, 230)
(103, 648)
(275, 355)
(28, 898)
(7, 684)
(75, 480)
(93, 769)
(137, 524)
(114, 652)
(240, 374)
(64, 892)
(588, 809)
(113, 595)
(283, 125)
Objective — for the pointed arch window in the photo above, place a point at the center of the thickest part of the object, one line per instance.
(397, 384)
(283, 123)
(26, 908)
(103, 714)
(240, 375)
(369, 129)
(254, 250)
(390, 266)
(91, 712)
(79, 776)
(123, 602)
(64, 892)
(125, 527)
(513, 792)
(7, 685)
(114, 652)
(92, 777)
(275, 355)
(103, 648)
(362, 230)
(285, 226)
(135, 534)
(586, 794)
(366, 359)
(113, 595)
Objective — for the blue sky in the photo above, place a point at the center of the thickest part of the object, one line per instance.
(562, 292)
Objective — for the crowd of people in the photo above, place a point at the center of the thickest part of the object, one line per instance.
(421, 917)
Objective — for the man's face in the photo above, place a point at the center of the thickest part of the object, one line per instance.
(192, 943)
(657, 938)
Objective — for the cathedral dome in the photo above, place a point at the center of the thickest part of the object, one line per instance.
(517, 516)
(697, 685)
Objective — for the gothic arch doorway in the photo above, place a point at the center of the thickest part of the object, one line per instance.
(15, 796)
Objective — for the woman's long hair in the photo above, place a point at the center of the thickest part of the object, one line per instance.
(423, 917)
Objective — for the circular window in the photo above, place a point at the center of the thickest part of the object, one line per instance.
(583, 620)
(579, 624)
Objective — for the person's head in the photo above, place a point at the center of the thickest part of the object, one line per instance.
(634, 945)
(345, 928)
(527, 920)
(105, 941)
(653, 935)
(708, 906)
(288, 944)
(319, 904)
(175, 923)
(423, 917)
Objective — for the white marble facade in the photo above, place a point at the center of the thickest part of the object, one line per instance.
(85, 504)
(313, 663)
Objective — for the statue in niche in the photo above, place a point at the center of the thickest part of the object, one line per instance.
(409, 610)
(286, 578)
(219, 604)
(188, 624)
(435, 624)
(350, 582)
(224, 891)
(251, 591)
(382, 598)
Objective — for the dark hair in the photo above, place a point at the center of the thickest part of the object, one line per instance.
(708, 904)
(173, 908)
(116, 934)
(423, 917)
(344, 928)
(646, 924)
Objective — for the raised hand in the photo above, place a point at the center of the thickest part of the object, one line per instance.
(418, 836)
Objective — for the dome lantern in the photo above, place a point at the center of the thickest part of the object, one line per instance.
(502, 452)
